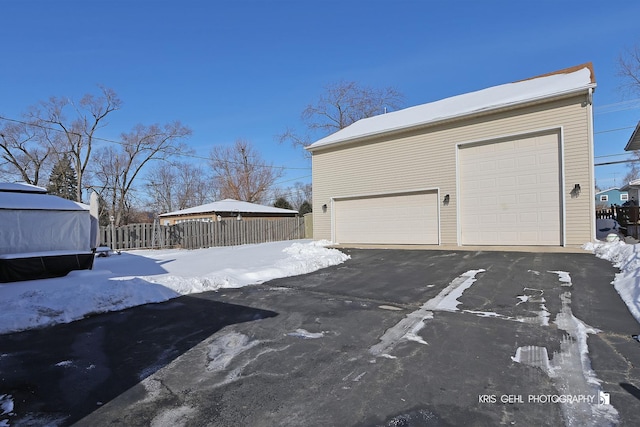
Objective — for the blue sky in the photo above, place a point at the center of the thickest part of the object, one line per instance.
(246, 69)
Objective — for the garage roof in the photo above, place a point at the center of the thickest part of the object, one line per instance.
(231, 205)
(634, 141)
(563, 82)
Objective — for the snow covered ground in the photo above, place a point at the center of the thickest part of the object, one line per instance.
(147, 276)
(626, 257)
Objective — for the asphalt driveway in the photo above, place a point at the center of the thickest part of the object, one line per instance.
(391, 337)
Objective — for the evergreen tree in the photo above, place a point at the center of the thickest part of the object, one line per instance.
(282, 203)
(305, 208)
(63, 180)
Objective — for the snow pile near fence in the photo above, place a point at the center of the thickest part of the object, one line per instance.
(626, 257)
(140, 277)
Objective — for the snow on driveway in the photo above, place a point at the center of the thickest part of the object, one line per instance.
(148, 276)
(627, 258)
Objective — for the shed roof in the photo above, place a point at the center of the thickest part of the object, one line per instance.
(559, 83)
(231, 205)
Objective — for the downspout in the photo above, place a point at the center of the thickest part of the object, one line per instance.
(592, 202)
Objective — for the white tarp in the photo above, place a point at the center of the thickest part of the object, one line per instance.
(32, 222)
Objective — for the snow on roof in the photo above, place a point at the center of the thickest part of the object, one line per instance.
(568, 81)
(608, 189)
(38, 201)
(632, 184)
(231, 205)
(21, 187)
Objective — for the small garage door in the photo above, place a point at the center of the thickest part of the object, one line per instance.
(510, 192)
(388, 219)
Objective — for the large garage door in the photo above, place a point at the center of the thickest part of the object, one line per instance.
(388, 219)
(510, 192)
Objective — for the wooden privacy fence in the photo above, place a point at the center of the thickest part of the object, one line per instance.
(198, 234)
(627, 216)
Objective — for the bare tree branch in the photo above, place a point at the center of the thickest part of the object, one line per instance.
(342, 104)
(118, 167)
(241, 174)
(22, 150)
(629, 70)
(78, 133)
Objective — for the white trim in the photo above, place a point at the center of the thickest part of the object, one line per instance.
(605, 197)
(608, 189)
(384, 194)
(333, 220)
(623, 196)
(592, 203)
(508, 137)
(563, 191)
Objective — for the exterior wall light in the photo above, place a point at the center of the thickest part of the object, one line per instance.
(446, 200)
(324, 208)
(576, 191)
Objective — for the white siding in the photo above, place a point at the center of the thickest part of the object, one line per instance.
(426, 158)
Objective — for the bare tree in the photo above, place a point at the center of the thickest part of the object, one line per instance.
(296, 195)
(241, 174)
(22, 152)
(179, 186)
(118, 167)
(74, 135)
(633, 168)
(341, 105)
(629, 70)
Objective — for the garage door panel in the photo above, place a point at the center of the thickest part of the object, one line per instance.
(388, 219)
(515, 202)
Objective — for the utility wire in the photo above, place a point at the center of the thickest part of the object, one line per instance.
(193, 156)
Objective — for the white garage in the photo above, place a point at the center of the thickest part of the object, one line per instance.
(407, 218)
(509, 165)
(510, 191)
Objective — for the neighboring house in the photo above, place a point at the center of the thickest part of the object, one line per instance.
(633, 187)
(612, 196)
(507, 165)
(225, 209)
(42, 235)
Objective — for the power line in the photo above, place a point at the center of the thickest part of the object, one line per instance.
(614, 130)
(611, 155)
(617, 162)
(193, 156)
(630, 104)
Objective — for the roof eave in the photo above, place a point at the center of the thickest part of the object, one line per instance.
(634, 141)
(466, 115)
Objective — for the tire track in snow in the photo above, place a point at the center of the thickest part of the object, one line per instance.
(408, 328)
(570, 368)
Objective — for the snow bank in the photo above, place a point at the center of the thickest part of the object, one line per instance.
(626, 257)
(141, 277)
